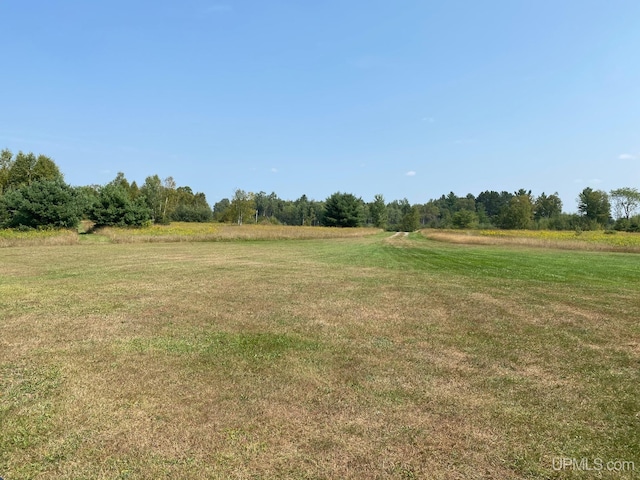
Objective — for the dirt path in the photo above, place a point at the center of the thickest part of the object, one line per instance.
(398, 238)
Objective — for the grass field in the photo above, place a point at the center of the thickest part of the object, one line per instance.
(363, 357)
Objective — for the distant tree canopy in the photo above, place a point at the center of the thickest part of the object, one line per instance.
(124, 204)
(33, 194)
(24, 169)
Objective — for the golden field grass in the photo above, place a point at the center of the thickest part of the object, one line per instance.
(12, 238)
(183, 231)
(174, 232)
(598, 240)
(346, 358)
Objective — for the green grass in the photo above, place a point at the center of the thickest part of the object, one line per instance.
(362, 357)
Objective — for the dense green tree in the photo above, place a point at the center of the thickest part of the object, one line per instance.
(262, 204)
(430, 214)
(306, 212)
(288, 213)
(87, 197)
(517, 213)
(410, 220)
(190, 207)
(192, 213)
(594, 207)
(492, 203)
(394, 215)
(343, 210)
(114, 206)
(464, 219)
(466, 203)
(378, 211)
(134, 190)
(220, 210)
(450, 202)
(547, 206)
(42, 203)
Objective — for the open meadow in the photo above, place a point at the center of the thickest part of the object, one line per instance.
(317, 358)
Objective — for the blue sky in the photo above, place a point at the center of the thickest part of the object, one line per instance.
(408, 98)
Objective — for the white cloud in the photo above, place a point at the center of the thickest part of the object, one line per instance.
(274, 170)
(626, 156)
(410, 173)
(595, 181)
(428, 119)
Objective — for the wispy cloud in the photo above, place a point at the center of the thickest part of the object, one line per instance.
(428, 119)
(410, 173)
(626, 156)
(595, 181)
(274, 170)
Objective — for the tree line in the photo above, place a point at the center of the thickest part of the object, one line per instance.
(33, 194)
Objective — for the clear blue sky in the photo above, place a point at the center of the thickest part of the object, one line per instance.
(408, 98)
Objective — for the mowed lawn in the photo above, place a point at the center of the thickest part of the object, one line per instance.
(348, 358)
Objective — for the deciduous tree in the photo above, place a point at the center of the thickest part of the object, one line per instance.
(547, 206)
(625, 202)
(594, 206)
(242, 207)
(518, 213)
